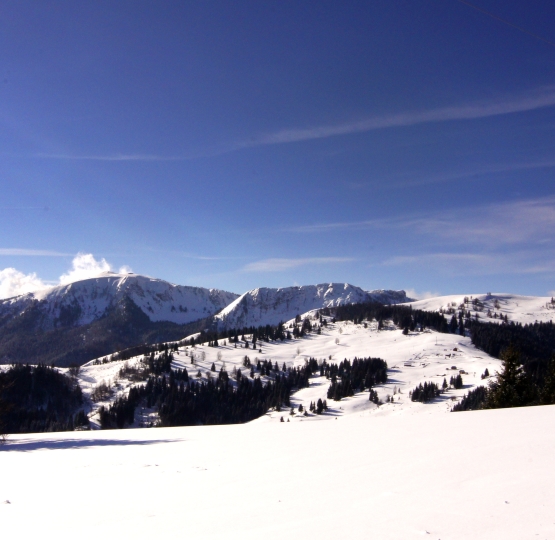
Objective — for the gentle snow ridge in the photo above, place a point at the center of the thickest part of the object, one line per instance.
(489, 306)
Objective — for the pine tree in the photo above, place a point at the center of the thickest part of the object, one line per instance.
(512, 387)
(547, 396)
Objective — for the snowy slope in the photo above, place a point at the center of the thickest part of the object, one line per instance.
(484, 475)
(270, 306)
(518, 308)
(85, 301)
(413, 359)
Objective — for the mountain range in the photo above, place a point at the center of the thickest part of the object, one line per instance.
(74, 323)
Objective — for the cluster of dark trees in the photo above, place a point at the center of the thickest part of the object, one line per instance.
(39, 398)
(182, 402)
(472, 401)
(265, 333)
(534, 342)
(430, 390)
(456, 382)
(348, 378)
(146, 350)
(402, 316)
(513, 386)
(425, 392)
(319, 407)
(528, 372)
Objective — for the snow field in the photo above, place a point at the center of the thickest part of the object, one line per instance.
(484, 475)
(412, 359)
(518, 308)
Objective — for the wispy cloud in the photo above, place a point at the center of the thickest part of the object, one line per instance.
(279, 265)
(536, 99)
(424, 295)
(17, 252)
(468, 263)
(422, 180)
(531, 221)
(112, 157)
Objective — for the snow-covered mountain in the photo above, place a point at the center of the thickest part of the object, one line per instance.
(493, 307)
(83, 302)
(270, 306)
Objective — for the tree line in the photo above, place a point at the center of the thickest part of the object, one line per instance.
(513, 386)
(181, 401)
(39, 398)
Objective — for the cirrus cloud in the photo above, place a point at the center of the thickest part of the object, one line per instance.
(279, 265)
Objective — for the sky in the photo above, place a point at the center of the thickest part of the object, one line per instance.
(393, 144)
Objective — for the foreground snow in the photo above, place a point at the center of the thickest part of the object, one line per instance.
(484, 474)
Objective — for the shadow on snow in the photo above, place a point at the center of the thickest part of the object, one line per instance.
(29, 445)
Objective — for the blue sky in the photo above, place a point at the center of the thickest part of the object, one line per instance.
(390, 144)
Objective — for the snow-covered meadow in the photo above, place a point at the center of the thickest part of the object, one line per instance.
(398, 471)
(490, 306)
(412, 359)
(485, 474)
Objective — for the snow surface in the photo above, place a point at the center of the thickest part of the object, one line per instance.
(158, 299)
(484, 475)
(270, 306)
(518, 308)
(413, 359)
(399, 471)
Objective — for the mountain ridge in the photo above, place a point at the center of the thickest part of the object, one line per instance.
(82, 302)
(266, 305)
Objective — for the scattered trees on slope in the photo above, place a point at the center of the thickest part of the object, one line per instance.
(183, 402)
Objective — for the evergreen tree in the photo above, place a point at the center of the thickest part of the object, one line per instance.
(512, 387)
(547, 396)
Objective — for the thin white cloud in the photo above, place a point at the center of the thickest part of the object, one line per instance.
(440, 259)
(520, 222)
(279, 265)
(465, 264)
(424, 295)
(394, 183)
(536, 99)
(112, 157)
(16, 252)
(531, 221)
